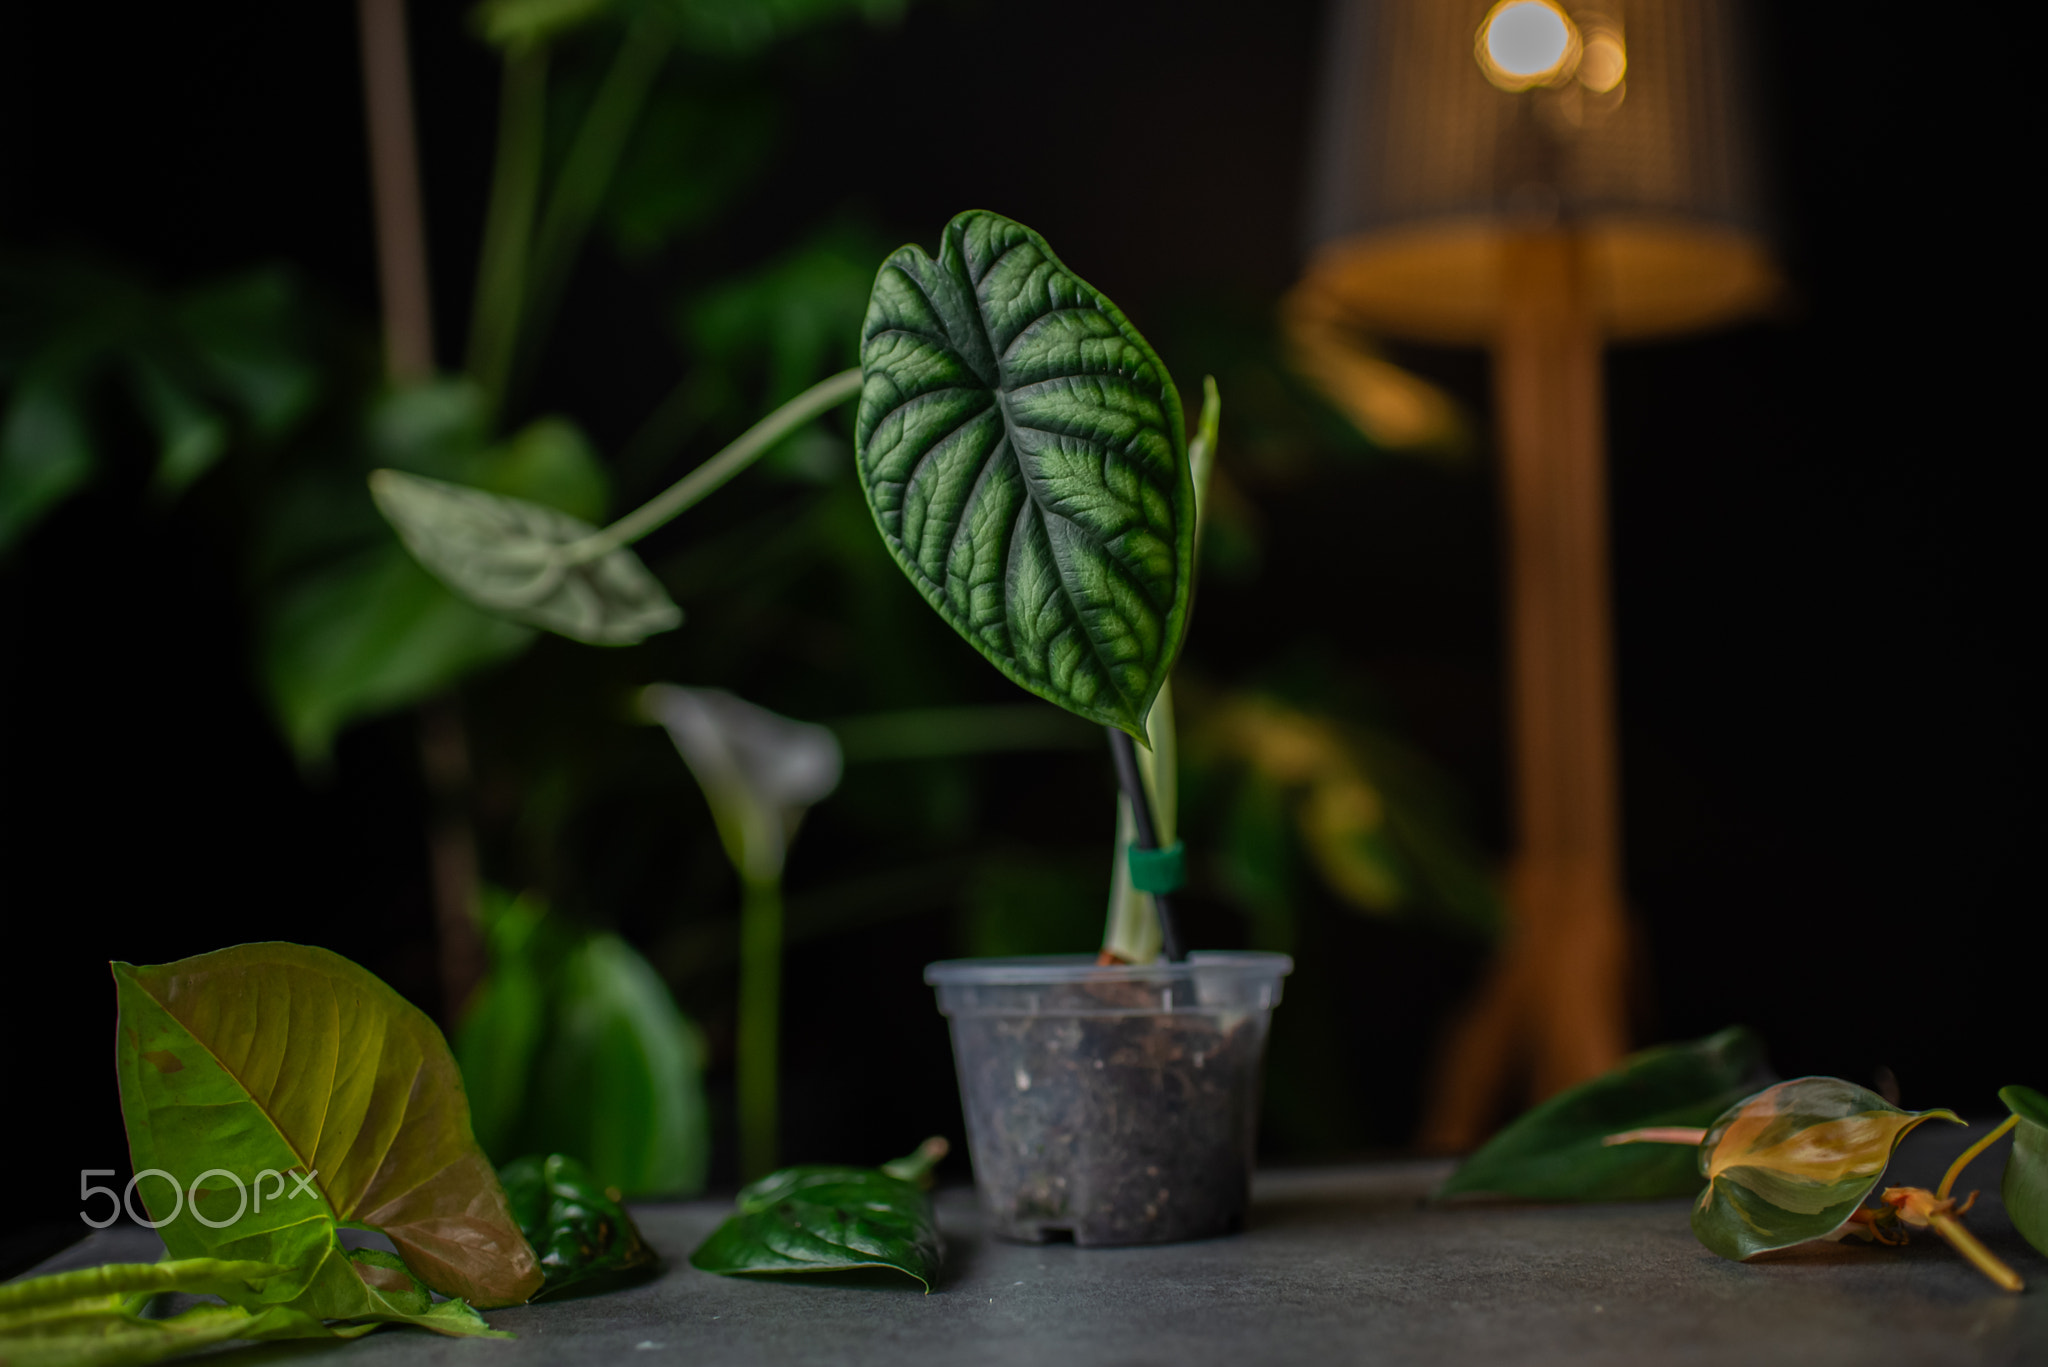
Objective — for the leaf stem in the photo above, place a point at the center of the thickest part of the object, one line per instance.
(1982, 1258)
(820, 397)
(502, 266)
(1955, 1169)
(587, 171)
(1659, 1134)
(757, 1045)
(914, 1167)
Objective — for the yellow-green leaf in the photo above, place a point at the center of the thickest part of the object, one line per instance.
(287, 1092)
(1793, 1163)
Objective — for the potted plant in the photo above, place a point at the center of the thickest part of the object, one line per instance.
(1024, 453)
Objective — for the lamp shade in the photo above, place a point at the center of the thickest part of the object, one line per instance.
(1635, 139)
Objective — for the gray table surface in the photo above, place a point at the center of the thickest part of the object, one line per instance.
(1340, 1265)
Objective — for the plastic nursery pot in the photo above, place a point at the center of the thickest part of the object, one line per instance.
(1111, 1105)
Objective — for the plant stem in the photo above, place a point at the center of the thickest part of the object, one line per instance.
(686, 491)
(587, 171)
(1125, 753)
(1955, 1169)
(757, 1045)
(502, 272)
(1982, 1258)
(916, 1167)
(1659, 1134)
(395, 194)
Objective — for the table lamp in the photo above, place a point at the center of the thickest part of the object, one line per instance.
(1540, 177)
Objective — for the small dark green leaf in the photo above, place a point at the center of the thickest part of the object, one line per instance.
(2025, 1189)
(1024, 455)
(1555, 1151)
(579, 1229)
(506, 556)
(1792, 1163)
(827, 1219)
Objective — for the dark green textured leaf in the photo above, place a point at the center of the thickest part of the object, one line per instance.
(506, 555)
(2025, 1189)
(827, 1219)
(1555, 1153)
(1025, 457)
(1792, 1163)
(580, 1231)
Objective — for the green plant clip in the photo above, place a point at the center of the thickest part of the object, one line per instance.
(1159, 870)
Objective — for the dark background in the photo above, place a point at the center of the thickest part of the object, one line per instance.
(1820, 525)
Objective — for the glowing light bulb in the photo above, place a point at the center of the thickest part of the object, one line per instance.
(1525, 43)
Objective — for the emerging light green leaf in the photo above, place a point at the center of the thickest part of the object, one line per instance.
(286, 1092)
(828, 1219)
(580, 1230)
(1793, 1163)
(506, 555)
(2025, 1188)
(1555, 1152)
(1025, 457)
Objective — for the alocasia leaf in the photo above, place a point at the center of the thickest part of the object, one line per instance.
(829, 1219)
(511, 556)
(1555, 1152)
(2025, 1189)
(1024, 454)
(580, 1230)
(1793, 1163)
(287, 1093)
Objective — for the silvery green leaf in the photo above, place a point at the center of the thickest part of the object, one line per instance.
(1022, 450)
(508, 556)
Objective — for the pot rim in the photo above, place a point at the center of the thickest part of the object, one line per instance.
(1035, 969)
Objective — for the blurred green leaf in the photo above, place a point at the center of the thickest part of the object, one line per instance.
(699, 143)
(1376, 819)
(528, 23)
(1555, 1152)
(247, 331)
(367, 634)
(1792, 1163)
(580, 1230)
(574, 1045)
(1041, 504)
(45, 453)
(506, 1017)
(506, 555)
(831, 1219)
(2025, 1188)
(190, 437)
(549, 462)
